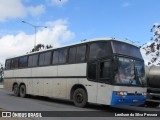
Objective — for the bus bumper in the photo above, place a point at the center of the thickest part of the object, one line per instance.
(133, 100)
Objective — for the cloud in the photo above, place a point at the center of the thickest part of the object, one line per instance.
(13, 45)
(126, 4)
(36, 10)
(58, 3)
(15, 9)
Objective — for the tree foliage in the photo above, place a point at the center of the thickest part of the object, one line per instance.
(156, 31)
(155, 46)
(39, 47)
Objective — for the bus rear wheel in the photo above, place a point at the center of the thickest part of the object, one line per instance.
(22, 91)
(80, 97)
(16, 90)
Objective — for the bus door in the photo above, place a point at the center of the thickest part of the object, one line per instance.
(104, 80)
(92, 86)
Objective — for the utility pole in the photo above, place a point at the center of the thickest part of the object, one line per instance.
(35, 29)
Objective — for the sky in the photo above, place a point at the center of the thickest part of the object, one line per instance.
(71, 21)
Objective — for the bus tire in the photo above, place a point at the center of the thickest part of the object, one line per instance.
(22, 91)
(80, 97)
(16, 90)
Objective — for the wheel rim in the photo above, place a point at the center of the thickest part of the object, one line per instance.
(22, 91)
(15, 90)
(79, 97)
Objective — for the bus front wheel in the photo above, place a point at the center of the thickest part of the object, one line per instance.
(23, 91)
(80, 97)
(16, 90)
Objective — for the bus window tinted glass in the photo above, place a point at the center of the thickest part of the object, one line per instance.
(14, 63)
(47, 58)
(81, 53)
(126, 49)
(23, 62)
(29, 61)
(92, 70)
(72, 55)
(55, 57)
(8, 64)
(33, 60)
(62, 56)
(41, 59)
(99, 49)
(105, 71)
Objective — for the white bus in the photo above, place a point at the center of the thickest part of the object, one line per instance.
(102, 71)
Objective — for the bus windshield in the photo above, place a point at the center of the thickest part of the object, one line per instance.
(130, 72)
(126, 49)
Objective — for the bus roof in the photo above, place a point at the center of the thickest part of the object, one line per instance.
(85, 41)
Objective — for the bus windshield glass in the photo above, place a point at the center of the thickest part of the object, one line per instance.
(130, 72)
(126, 49)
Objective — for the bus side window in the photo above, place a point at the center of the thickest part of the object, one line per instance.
(55, 57)
(92, 71)
(30, 61)
(62, 56)
(8, 64)
(105, 71)
(59, 56)
(45, 58)
(99, 50)
(72, 55)
(33, 60)
(41, 59)
(81, 53)
(23, 62)
(14, 63)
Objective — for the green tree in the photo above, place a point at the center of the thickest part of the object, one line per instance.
(154, 48)
(39, 47)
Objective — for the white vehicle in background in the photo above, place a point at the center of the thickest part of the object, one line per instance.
(103, 71)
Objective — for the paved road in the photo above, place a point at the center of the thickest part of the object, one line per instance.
(12, 103)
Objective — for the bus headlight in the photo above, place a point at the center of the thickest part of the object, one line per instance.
(144, 93)
(124, 93)
(121, 93)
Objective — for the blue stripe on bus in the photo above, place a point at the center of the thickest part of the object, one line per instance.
(133, 100)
